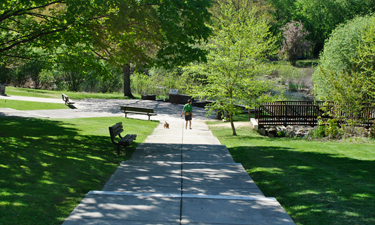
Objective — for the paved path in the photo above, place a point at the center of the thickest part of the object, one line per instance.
(99, 108)
(177, 176)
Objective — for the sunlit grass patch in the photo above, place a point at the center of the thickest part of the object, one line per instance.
(26, 105)
(29, 92)
(316, 182)
(47, 166)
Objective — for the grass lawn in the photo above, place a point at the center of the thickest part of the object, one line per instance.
(29, 92)
(48, 165)
(26, 105)
(316, 182)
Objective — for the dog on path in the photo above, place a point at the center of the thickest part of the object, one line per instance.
(166, 125)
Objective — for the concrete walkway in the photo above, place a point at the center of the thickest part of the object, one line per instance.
(177, 176)
(99, 108)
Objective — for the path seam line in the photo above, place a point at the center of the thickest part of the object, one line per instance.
(169, 195)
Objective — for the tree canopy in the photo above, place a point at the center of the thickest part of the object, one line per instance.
(320, 17)
(162, 32)
(237, 51)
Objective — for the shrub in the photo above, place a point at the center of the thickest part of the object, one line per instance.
(293, 86)
(294, 43)
(372, 131)
(347, 53)
(346, 75)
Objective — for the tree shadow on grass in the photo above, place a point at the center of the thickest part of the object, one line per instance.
(314, 188)
(47, 167)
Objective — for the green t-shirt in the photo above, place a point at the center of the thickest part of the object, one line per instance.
(188, 108)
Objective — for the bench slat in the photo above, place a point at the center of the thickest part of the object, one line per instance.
(116, 130)
(138, 110)
(128, 139)
(142, 113)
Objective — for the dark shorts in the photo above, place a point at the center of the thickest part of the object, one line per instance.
(187, 117)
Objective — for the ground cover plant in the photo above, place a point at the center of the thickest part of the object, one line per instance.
(47, 166)
(26, 105)
(295, 77)
(316, 182)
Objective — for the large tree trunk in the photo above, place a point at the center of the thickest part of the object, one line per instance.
(127, 90)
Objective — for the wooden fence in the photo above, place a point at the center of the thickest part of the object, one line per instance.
(303, 113)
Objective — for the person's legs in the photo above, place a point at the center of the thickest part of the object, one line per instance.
(188, 119)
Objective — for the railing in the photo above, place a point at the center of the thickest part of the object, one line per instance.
(303, 113)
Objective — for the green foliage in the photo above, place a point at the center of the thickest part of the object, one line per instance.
(295, 76)
(237, 53)
(142, 83)
(45, 23)
(346, 75)
(329, 129)
(293, 87)
(320, 17)
(159, 81)
(7, 75)
(340, 48)
(80, 71)
(372, 131)
(257, 92)
(281, 134)
(318, 132)
(19, 72)
(309, 178)
(123, 32)
(31, 69)
(261, 8)
(332, 130)
(178, 78)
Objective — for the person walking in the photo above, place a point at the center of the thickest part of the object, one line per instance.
(188, 110)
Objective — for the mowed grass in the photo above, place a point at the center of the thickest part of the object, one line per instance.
(29, 92)
(47, 166)
(26, 105)
(316, 182)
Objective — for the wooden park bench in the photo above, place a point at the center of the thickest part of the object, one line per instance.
(115, 131)
(65, 98)
(138, 110)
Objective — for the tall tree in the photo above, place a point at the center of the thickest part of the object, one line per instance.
(237, 53)
(165, 33)
(162, 32)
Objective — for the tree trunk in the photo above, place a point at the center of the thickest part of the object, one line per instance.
(232, 124)
(127, 90)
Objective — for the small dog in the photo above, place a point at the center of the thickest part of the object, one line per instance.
(166, 125)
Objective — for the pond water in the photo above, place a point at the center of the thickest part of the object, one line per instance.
(298, 96)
